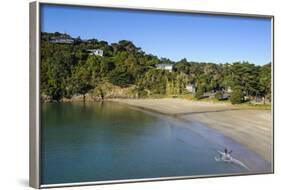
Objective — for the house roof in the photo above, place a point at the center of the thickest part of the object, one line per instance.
(164, 65)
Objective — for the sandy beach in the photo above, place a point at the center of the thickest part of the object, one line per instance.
(251, 128)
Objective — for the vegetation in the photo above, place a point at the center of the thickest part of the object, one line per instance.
(219, 95)
(236, 96)
(68, 70)
(199, 92)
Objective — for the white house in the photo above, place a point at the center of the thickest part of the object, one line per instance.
(98, 52)
(168, 67)
(62, 40)
(190, 88)
(229, 90)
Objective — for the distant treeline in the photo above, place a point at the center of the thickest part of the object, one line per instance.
(69, 69)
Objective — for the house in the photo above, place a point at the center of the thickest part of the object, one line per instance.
(62, 40)
(190, 88)
(168, 67)
(228, 90)
(98, 52)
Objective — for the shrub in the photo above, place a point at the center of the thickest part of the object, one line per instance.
(199, 93)
(120, 77)
(236, 96)
(219, 95)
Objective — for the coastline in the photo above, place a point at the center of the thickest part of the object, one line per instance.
(249, 127)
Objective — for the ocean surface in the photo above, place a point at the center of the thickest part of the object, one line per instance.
(83, 142)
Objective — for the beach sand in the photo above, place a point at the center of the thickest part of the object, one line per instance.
(251, 128)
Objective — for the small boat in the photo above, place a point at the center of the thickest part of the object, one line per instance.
(226, 157)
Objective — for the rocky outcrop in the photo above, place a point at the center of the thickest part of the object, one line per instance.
(100, 93)
(46, 98)
(74, 98)
(108, 91)
(81, 98)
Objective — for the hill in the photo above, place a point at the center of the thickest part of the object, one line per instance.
(70, 67)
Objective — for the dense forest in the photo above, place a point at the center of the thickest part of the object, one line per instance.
(68, 70)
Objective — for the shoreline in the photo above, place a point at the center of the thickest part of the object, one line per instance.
(248, 127)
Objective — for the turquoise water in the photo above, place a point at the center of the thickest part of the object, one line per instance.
(111, 141)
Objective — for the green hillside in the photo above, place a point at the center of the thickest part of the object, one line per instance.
(68, 70)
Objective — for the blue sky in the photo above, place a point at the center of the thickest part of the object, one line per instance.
(196, 37)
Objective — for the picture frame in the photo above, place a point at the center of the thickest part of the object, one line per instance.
(35, 145)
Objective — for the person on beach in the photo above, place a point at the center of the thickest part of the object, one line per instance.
(226, 155)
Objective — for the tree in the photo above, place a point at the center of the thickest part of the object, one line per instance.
(57, 68)
(81, 81)
(182, 66)
(219, 95)
(236, 96)
(244, 76)
(120, 77)
(265, 81)
(199, 92)
(68, 69)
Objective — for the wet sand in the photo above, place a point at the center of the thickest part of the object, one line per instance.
(251, 128)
